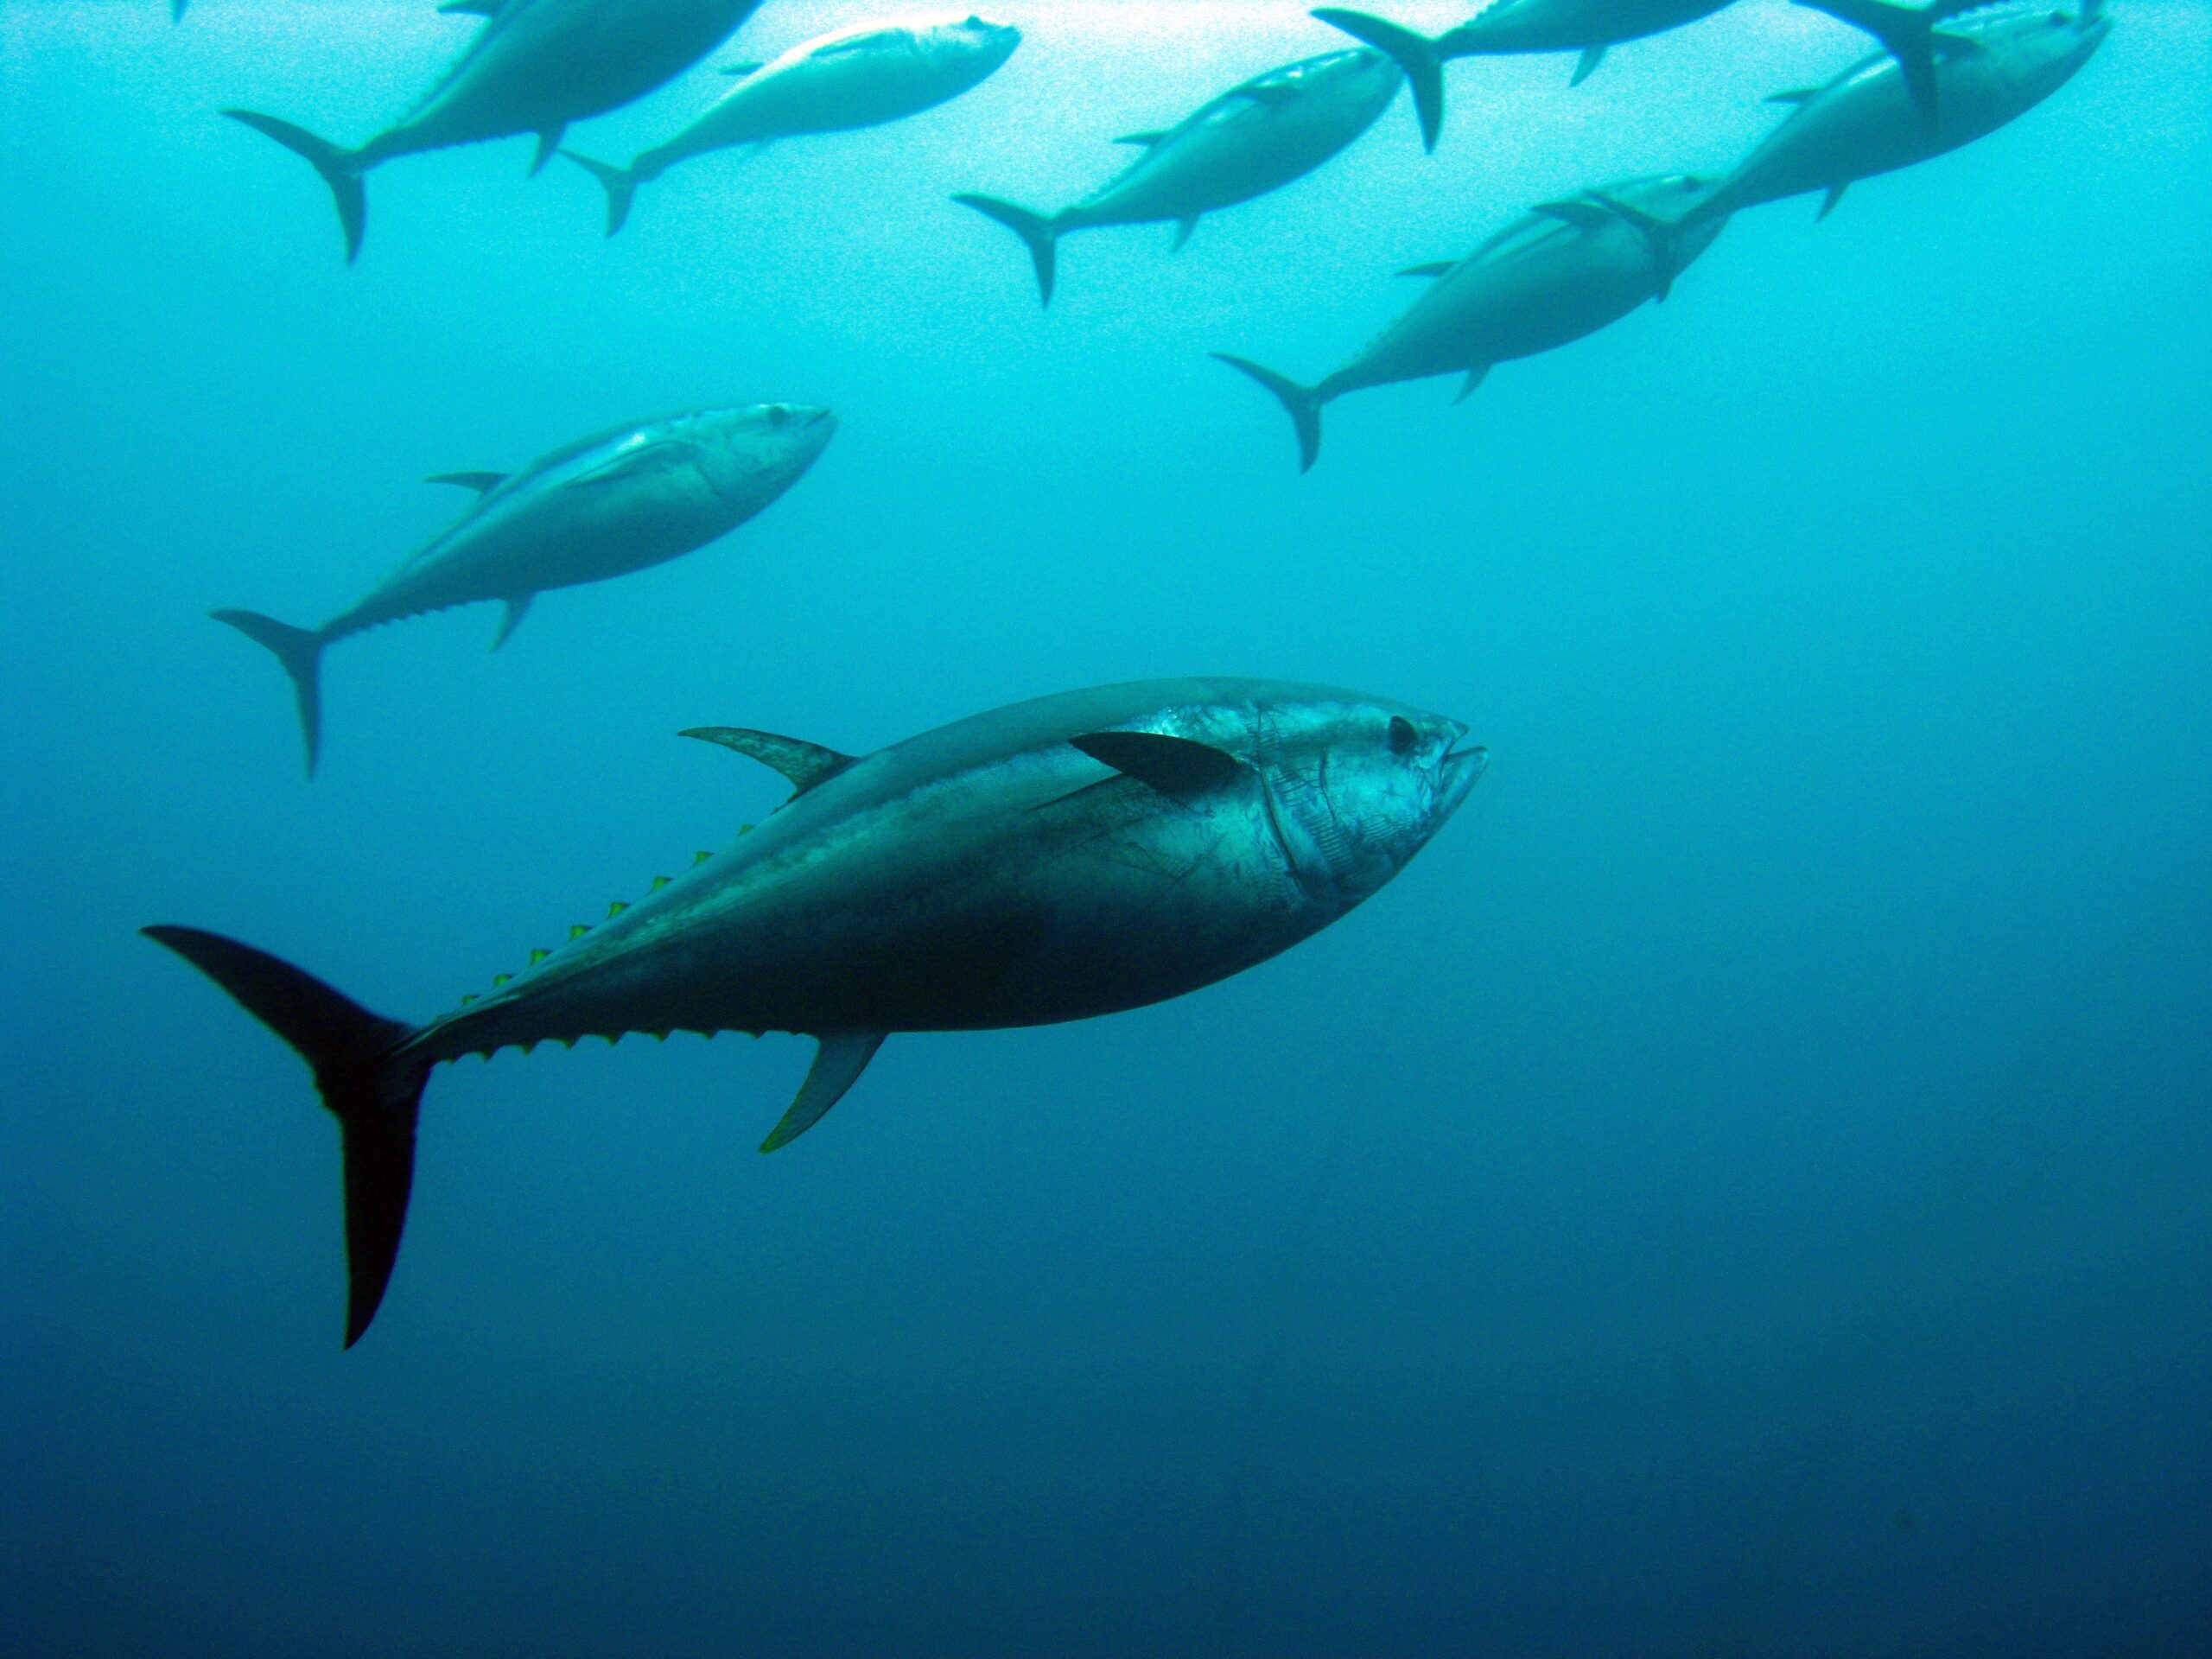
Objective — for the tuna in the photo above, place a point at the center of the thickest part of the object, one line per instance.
(1585, 27)
(533, 66)
(862, 76)
(1077, 855)
(604, 506)
(1989, 68)
(1589, 28)
(1561, 271)
(1252, 139)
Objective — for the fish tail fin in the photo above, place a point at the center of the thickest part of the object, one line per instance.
(1302, 403)
(299, 650)
(620, 183)
(1039, 232)
(374, 1092)
(1662, 236)
(340, 170)
(1908, 35)
(1413, 53)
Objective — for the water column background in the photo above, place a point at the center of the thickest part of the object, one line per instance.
(1742, 1192)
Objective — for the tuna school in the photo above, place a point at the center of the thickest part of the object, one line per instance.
(1094, 850)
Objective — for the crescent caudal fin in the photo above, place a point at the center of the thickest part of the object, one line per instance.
(1413, 53)
(374, 1093)
(340, 170)
(1301, 403)
(299, 650)
(1037, 232)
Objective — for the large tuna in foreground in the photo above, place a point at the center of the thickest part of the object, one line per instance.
(604, 506)
(1077, 855)
(1564, 270)
(534, 65)
(1254, 138)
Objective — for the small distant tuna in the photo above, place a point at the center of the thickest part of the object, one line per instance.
(1989, 68)
(1589, 27)
(861, 76)
(1564, 270)
(1586, 27)
(1252, 139)
(533, 66)
(1077, 855)
(604, 506)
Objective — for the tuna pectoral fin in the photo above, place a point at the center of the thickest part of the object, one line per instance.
(837, 1066)
(620, 183)
(1181, 768)
(1300, 403)
(373, 1093)
(1414, 53)
(482, 483)
(1587, 64)
(339, 168)
(1034, 229)
(299, 650)
(517, 609)
(805, 764)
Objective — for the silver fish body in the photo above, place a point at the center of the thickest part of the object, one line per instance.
(1073, 856)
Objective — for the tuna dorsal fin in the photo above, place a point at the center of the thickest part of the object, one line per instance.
(1795, 95)
(482, 483)
(1145, 138)
(1828, 201)
(742, 66)
(1587, 64)
(1180, 768)
(1584, 215)
(838, 1065)
(548, 145)
(1433, 268)
(1474, 379)
(518, 607)
(1183, 229)
(805, 764)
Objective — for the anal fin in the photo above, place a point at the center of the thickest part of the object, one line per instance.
(517, 608)
(838, 1065)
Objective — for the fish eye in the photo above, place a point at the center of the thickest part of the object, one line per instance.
(1402, 736)
(779, 415)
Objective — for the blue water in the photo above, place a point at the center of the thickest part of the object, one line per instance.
(1745, 1190)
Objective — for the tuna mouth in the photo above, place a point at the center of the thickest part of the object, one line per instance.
(1455, 773)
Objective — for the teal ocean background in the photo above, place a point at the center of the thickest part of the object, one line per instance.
(1746, 1189)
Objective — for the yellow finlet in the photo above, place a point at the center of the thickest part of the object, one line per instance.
(579, 930)
(536, 956)
(615, 909)
(468, 999)
(700, 858)
(660, 881)
(498, 980)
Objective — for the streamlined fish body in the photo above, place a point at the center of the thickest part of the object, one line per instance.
(533, 66)
(861, 76)
(602, 507)
(1989, 67)
(1559, 273)
(1586, 27)
(1254, 138)
(1077, 855)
